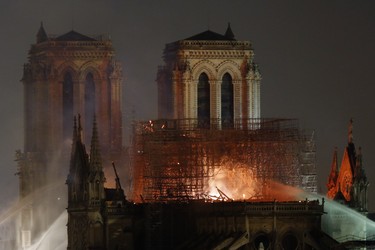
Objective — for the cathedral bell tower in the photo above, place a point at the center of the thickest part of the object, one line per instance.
(65, 75)
(209, 78)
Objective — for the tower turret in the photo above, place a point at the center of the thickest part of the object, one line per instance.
(76, 181)
(332, 179)
(65, 75)
(360, 185)
(41, 36)
(96, 177)
(229, 33)
(350, 181)
(86, 196)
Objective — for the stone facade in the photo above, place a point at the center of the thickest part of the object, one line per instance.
(65, 75)
(96, 215)
(101, 218)
(209, 77)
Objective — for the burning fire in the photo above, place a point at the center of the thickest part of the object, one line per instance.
(238, 182)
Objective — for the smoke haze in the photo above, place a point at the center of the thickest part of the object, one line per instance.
(316, 60)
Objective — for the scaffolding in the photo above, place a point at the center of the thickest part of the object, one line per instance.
(178, 159)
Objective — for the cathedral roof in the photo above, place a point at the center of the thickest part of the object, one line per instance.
(213, 36)
(209, 35)
(74, 36)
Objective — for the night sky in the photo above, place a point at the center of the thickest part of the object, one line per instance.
(316, 59)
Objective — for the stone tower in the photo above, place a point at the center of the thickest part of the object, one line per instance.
(65, 75)
(348, 184)
(97, 216)
(85, 194)
(210, 78)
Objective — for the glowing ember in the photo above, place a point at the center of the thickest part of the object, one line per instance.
(238, 182)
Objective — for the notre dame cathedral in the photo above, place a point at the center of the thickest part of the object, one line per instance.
(73, 84)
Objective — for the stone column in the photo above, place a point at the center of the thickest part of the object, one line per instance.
(257, 96)
(215, 103)
(237, 100)
(250, 94)
(116, 114)
(176, 96)
(193, 102)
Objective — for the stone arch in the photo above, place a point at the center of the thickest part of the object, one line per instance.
(68, 67)
(204, 66)
(67, 70)
(67, 78)
(91, 87)
(227, 101)
(261, 238)
(289, 241)
(89, 67)
(231, 68)
(203, 100)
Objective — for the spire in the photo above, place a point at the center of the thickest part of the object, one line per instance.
(359, 170)
(350, 131)
(41, 36)
(358, 164)
(95, 157)
(78, 158)
(334, 167)
(75, 133)
(229, 33)
(79, 129)
(76, 140)
(332, 179)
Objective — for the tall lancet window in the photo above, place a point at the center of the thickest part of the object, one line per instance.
(89, 104)
(67, 105)
(203, 101)
(227, 101)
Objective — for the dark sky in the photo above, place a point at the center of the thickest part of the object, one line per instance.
(316, 59)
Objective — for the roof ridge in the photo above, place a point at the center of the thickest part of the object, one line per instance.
(74, 36)
(209, 35)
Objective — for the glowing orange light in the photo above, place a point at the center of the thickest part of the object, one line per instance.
(236, 182)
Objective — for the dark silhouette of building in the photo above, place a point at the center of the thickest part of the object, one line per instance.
(96, 214)
(101, 218)
(209, 122)
(348, 184)
(209, 93)
(173, 211)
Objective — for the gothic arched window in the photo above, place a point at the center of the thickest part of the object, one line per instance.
(67, 105)
(89, 103)
(203, 101)
(227, 101)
